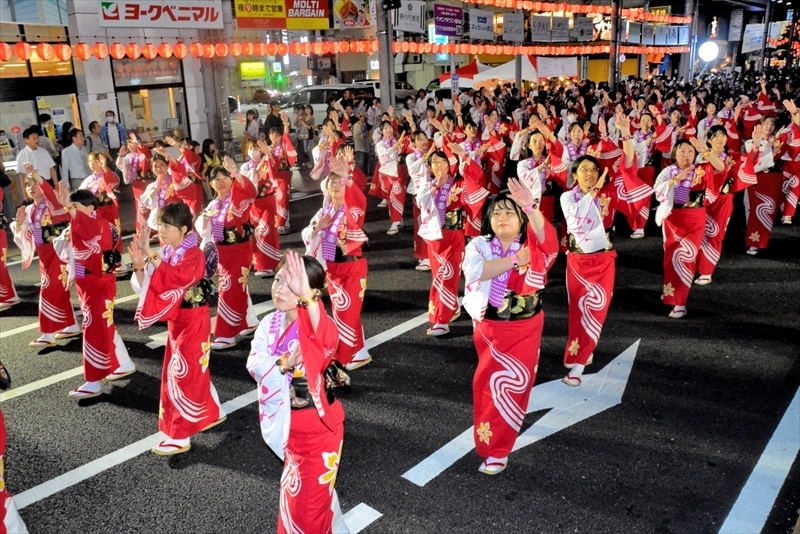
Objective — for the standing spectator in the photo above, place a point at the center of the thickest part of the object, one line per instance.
(113, 134)
(94, 142)
(6, 144)
(361, 139)
(74, 166)
(40, 158)
(63, 138)
(274, 119)
(51, 131)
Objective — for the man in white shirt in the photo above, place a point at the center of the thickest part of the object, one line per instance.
(40, 158)
(75, 160)
(113, 134)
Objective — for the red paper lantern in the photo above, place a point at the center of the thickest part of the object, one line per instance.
(326, 47)
(261, 49)
(473, 49)
(180, 50)
(63, 51)
(5, 51)
(272, 49)
(316, 48)
(164, 50)
(196, 49)
(83, 51)
(115, 50)
(209, 51)
(283, 49)
(44, 51)
(149, 51)
(426, 48)
(396, 47)
(248, 49)
(481, 49)
(294, 48)
(235, 49)
(405, 46)
(133, 51)
(305, 49)
(344, 47)
(221, 50)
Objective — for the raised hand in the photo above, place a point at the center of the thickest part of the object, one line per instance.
(349, 154)
(520, 194)
(390, 110)
(22, 212)
(324, 222)
(169, 140)
(295, 275)
(62, 193)
(602, 180)
(790, 106)
(229, 165)
(457, 106)
(698, 145)
(29, 167)
(601, 127)
(653, 110)
(262, 146)
(457, 149)
(623, 124)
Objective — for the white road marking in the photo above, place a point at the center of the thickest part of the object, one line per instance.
(35, 326)
(360, 518)
(752, 508)
(95, 467)
(39, 384)
(597, 393)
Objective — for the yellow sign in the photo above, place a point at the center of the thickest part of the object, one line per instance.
(282, 14)
(253, 70)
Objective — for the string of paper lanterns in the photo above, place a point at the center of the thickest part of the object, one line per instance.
(636, 15)
(100, 50)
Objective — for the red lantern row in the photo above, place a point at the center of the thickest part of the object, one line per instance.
(45, 51)
(508, 50)
(544, 7)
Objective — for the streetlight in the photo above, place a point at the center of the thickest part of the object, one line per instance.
(708, 52)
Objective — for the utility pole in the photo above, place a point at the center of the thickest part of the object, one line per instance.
(614, 55)
(385, 54)
(643, 57)
(763, 53)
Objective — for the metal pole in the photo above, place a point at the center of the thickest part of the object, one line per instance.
(643, 57)
(385, 56)
(518, 72)
(614, 55)
(453, 78)
(763, 53)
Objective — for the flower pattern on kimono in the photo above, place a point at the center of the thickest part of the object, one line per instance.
(755, 237)
(64, 276)
(668, 290)
(484, 432)
(331, 461)
(431, 307)
(4, 255)
(244, 277)
(574, 347)
(108, 315)
(160, 410)
(205, 346)
(603, 203)
(363, 288)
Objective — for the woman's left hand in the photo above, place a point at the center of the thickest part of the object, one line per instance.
(62, 195)
(519, 193)
(296, 276)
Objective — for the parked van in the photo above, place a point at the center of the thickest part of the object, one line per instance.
(402, 90)
(319, 95)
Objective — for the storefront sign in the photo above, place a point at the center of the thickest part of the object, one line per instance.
(634, 32)
(540, 29)
(139, 72)
(449, 20)
(648, 34)
(252, 70)
(349, 14)
(559, 30)
(514, 26)
(410, 17)
(661, 35)
(556, 67)
(672, 35)
(204, 14)
(481, 24)
(584, 26)
(282, 14)
(683, 35)
(735, 26)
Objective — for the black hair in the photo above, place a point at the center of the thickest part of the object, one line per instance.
(158, 157)
(207, 146)
(92, 125)
(44, 117)
(176, 214)
(714, 130)
(216, 171)
(73, 133)
(314, 271)
(438, 154)
(84, 197)
(503, 199)
(470, 122)
(575, 124)
(577, 163)
(680, 143)
(448, 115)
(31, 130)
(415, 135)
(276, 130)
(158, 143)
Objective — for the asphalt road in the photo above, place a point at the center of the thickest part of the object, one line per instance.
(703, 399)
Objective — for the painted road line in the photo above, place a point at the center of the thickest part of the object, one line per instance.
(160, 339)
(35, 326)
(361, 517)
(95, 467)
(567, 405)
(39, 384)
(752, 508)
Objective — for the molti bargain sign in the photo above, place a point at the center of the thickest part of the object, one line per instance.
(448, 20)
(205, 14)
(282, 14)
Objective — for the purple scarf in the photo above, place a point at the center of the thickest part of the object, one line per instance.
(173, 255)
(330, 235)
(681, 190)
(576, 152)
(218, 219)
(472, 149)
(500, 282)
(442, 197)
(36, 219)
(283, 344)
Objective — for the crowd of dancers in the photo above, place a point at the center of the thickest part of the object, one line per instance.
(499, 185)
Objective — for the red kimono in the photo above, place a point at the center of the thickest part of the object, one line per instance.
(791, 171)
(177, 186)
(189, 402)
(104, 186)
(136, 171)
(10, 520)
(263, 216)
(7, 291)
(280, 159)
(43, 223)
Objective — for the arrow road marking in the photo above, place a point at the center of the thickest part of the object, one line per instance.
(597, 393)
(750, 512)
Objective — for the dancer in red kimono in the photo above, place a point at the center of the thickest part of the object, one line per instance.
(442, 217)
(417, 165)
(10, 520)
(8, 293)
(281, 157)
(300, 419)
(172, 289)
(534, 172)
(506, 271)
(334, 237)
(35, 228)
(387, 150)
(135, 166)
(192, 165)
(103, 182)
(226, 229)
(589, 209)
(263, 214)
(666, 136)
(791, 165)
(684, 190)
(764, 198)
(735, 176)
(172, 184)
(92, 249)
(643, 145)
